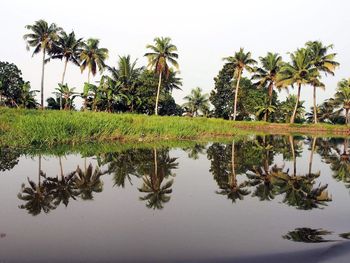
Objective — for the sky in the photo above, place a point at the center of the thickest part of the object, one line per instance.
(203, 31)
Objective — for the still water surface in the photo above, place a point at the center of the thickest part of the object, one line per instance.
(253, 199)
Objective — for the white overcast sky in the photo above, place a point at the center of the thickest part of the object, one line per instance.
(203, 31)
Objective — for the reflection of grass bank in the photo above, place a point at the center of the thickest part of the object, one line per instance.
(32, 127)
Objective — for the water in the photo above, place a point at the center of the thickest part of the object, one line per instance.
(284, 198)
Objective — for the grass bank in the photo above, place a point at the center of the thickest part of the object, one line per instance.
(48, 128)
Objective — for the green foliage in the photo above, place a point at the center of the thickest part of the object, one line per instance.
(14, 91)
(196, 102)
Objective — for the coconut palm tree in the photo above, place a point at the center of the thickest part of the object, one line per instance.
(266, 75)
(93, 58)
(197, 101)
(239, 62)
(41, 39)
(68, 47)
(68, 95)
(127, 75)
(163, 53)
(323, 62)
(300, 71)
(342, 97)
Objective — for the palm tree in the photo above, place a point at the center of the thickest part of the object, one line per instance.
(127, 75)
(92, 57)
(342, 97)
(239, 62)
(323, 62)
(267, 74)
(41, 38)
(27, 97)
(68, 48)
(68, 94)
(197, 101)
(300, 72)
(162, 53)
(264, 109)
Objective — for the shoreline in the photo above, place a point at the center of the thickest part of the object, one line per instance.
(23, 128)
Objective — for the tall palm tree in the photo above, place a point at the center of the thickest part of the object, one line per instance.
(323, 62)
(239, 61)
(68, 47)
(197, 101)
(41, 39)
(342, 97)
(162, 53)
(92, 57)
(266, 75)
(300, 71)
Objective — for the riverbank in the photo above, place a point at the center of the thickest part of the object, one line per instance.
(34, 127)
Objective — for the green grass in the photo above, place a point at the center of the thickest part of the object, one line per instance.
(48, 128)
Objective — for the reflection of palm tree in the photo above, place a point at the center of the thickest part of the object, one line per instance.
(232, 189)
(340, 164)
(152, 182)
(308, 235)
(61, 189)
(299, 190)
(36, 196)
(195, 151)
(88, 181)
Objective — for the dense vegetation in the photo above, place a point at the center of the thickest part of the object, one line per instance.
(127, 87)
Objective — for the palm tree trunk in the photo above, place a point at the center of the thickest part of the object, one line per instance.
(266, 117)
(85, 99)
(42, 80)
(158, 91)
(62, 81)
(315, 106)
(236, 96)
(312, 154)
(296, 105)
(347, 116)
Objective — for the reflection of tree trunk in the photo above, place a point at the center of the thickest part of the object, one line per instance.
(61, 167)
(292, 119)
(291, 142)
(39, 175)
(266, 162)
(156, 180)
(158, 91)
(236, 96)
(233, 180)
(312, 154)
